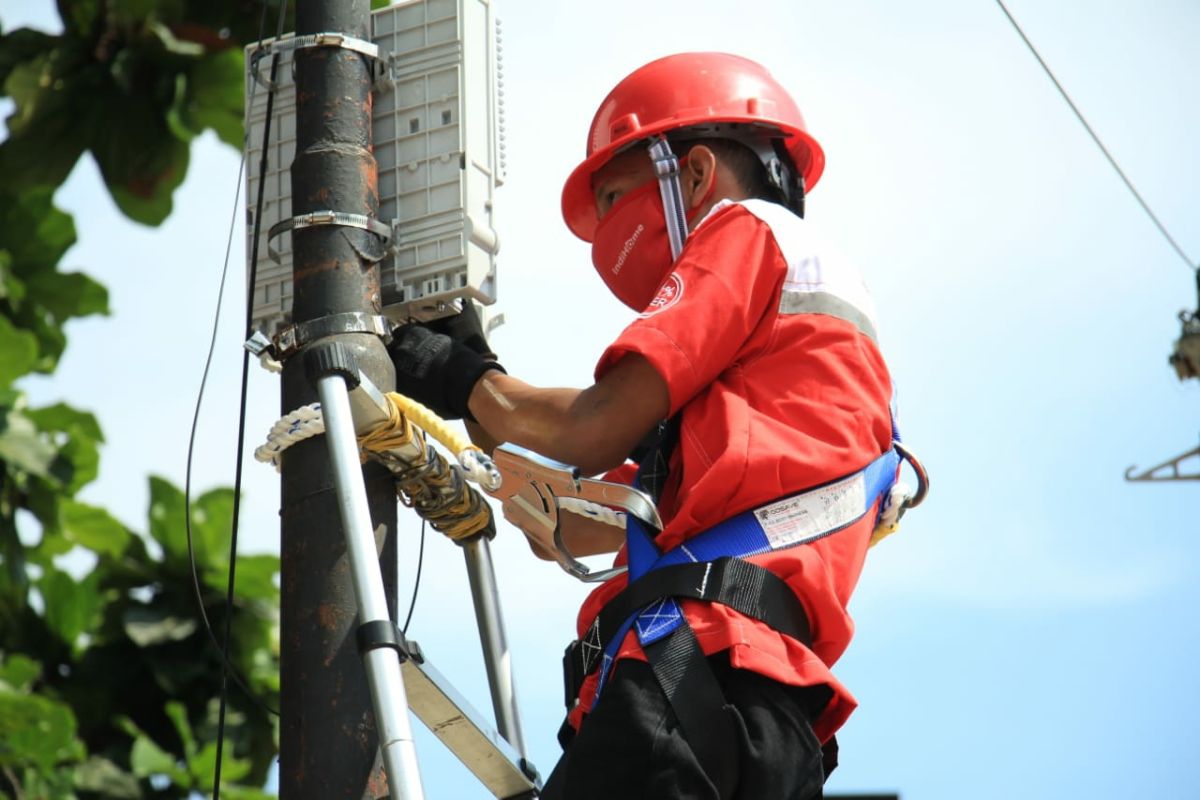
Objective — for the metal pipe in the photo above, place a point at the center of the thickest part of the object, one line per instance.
(383, 665)
(327, 741)
(482, 574)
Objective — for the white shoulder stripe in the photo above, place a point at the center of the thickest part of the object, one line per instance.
(793, 302)
(819, 279)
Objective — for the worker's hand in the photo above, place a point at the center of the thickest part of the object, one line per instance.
(466, 328)
(435, 370)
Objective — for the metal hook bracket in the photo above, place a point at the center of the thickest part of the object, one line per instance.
(536, 484)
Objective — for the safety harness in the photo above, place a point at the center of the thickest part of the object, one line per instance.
(711, 567)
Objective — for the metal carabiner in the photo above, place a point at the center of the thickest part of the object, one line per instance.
(535, 484)
(919, 470)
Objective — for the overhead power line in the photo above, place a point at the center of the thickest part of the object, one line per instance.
(1128, 183)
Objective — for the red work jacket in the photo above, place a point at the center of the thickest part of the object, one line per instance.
(765, 339)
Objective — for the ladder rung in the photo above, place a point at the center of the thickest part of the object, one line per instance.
(452, 720)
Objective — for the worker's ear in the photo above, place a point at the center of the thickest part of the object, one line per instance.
(698, 173)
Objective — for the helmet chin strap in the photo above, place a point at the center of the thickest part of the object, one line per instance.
(666, 167)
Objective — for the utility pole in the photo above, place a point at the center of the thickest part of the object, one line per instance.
(328, 742)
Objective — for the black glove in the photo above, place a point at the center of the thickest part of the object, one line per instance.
(465, 328)
(437, 371)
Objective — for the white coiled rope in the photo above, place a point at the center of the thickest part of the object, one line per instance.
(306, 422)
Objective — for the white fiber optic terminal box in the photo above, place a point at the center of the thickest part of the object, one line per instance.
(438, 141)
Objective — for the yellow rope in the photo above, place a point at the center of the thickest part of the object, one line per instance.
(395, 433)
(427, 484)
(431, 423)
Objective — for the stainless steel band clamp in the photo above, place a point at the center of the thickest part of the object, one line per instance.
(329, 39)
(291, 338)
(315, 219)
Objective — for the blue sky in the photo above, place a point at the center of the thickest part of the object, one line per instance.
(1031, 630)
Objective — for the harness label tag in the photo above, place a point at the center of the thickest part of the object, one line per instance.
(811, 515)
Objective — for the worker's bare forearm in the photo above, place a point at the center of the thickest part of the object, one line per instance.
(554, 422)
(480, 437)
(593, 429)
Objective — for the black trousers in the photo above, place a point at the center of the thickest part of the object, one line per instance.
(630, 746)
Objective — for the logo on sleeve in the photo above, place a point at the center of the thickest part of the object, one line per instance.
(668, 295)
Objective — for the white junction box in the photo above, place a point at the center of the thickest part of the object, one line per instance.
(438, 144)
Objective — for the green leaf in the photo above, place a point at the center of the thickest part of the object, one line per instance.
(77, 434)
(255, 578)
(131, 12)
(166, 517)
(14, 581)
(12, 288)
(22, 446)
(147, 759)
(35, 731)
(18, 352)
(178, 716)
(34, 232)
(106, 779)
(67, 419)
(66, 294)
(203, 765)
(93, 528)
(19, 672)
(52, 545)
(211, 516)
(23, 44)
(57, 784)
(143, 191)
(244, 793)
(150, 625)
(79, 16)
(43, 499)
(141, 160)
(46, 134)
(213, 97)
(72, 607)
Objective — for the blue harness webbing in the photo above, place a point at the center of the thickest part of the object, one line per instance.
(742, 536)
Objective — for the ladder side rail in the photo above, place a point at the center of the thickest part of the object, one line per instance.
(382, 664)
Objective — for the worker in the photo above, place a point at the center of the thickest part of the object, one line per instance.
(749, 394)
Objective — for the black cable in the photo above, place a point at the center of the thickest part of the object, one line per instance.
(187, 485)
(241, 437)
(227, 668)
(1128, 183)
(412, 604)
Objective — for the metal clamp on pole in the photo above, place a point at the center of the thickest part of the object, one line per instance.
(333, 368)
(315, 219)
(291, 338)
(328, 39)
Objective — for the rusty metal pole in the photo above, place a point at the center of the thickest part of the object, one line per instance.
(328, 742)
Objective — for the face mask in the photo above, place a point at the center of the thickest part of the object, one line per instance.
(631, 249)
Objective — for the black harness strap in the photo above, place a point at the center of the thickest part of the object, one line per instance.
(745, 587)
(678, 662)
(699, 704)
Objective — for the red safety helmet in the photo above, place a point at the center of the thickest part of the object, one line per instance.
(682, 91)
